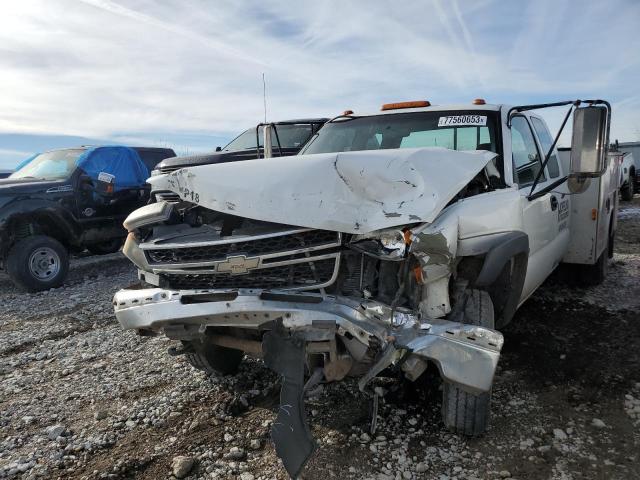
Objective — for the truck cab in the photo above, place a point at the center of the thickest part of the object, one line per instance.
(394, 240)
(67, 200)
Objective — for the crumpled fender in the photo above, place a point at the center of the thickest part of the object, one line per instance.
(352, 192)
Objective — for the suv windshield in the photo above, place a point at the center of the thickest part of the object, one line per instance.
(54, 165)
(456, 130)
(291, 136)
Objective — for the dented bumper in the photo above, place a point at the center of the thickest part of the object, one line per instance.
(465, 354)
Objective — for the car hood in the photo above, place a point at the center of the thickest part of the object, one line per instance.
(15, 186)
(351, 192)
(173, 163)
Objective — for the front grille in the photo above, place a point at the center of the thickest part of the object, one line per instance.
(167, 197)
(294, 276)
(249, 248)
(169, 169)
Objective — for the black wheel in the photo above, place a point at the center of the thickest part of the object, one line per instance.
(595, 274)
(37, 263)
(626, 192)
(214, 359)
(103, 248)
(612, 240)
(463, 412)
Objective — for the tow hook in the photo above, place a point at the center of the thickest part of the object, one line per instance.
(290, 433)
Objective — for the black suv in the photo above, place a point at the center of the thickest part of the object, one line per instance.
(68, 200)
(287, 138)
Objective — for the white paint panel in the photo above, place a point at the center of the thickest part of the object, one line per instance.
(589, 236)
(352, 192)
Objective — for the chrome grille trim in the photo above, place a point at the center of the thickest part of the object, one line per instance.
(232, 278)
(223, 241)
(260, 266)
(268, 269)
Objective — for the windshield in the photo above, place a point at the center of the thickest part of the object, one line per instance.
(456, 130)
(55, 165)
(291, 136)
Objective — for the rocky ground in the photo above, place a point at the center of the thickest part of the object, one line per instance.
(82, 399)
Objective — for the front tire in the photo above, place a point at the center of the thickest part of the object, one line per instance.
(37, 263)
(463, 412)
(214, 359)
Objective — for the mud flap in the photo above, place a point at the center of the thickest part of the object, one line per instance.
(290, 433)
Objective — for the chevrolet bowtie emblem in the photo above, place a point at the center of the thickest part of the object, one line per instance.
(239, 264)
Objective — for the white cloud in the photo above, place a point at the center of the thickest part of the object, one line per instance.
(105, 67)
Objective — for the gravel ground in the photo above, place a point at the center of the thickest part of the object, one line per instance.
(82, 399)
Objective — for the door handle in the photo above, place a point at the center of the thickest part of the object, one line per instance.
(554, 203)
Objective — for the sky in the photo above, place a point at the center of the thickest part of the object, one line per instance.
(188, 74)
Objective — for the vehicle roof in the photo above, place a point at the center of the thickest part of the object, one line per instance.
(435, 108)
(85, 147)
(304, 120)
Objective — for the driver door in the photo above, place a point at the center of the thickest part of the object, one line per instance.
(543, 216)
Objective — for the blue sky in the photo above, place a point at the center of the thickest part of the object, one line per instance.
(188, 74)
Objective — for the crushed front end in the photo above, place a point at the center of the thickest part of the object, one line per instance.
(312, 302)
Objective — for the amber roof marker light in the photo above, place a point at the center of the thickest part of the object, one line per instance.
(399, 105)
(347, 112)
(479, 101)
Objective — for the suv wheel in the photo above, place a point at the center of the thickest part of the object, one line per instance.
(214, 359)
(462, 412)
(37, 263)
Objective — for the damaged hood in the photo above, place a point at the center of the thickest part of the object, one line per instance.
(351, 192)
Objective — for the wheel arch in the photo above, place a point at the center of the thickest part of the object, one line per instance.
(500, 268)
(37, 218)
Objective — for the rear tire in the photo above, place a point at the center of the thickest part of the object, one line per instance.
(595, 274)
(463, 412)
(37, 263)
(104, 248)
(612, 241)
(214, 359)
(627, 190)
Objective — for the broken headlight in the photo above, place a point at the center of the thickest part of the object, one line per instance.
(384, 244)
(148, 215)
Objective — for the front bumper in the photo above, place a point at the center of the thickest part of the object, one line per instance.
(466, 355)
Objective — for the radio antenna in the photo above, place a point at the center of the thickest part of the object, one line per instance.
(264, 96)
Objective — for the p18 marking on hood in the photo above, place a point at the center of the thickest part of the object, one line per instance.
(350, 192)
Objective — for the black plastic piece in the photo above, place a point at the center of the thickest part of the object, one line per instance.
(496, 258)
(290, 433)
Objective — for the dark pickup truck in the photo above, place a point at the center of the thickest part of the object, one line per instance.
(287, 139)
(69, 200)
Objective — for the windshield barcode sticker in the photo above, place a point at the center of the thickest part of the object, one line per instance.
(463, 120)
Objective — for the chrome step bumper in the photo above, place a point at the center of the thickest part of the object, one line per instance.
(465, 354)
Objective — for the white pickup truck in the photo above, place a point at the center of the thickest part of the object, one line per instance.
(393, 241)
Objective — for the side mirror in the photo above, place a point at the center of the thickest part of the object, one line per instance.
(218, 149)
(106, 184)
(86, 184)
(588, 145)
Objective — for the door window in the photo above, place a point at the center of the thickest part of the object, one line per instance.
(545, 140)
(526, 158)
